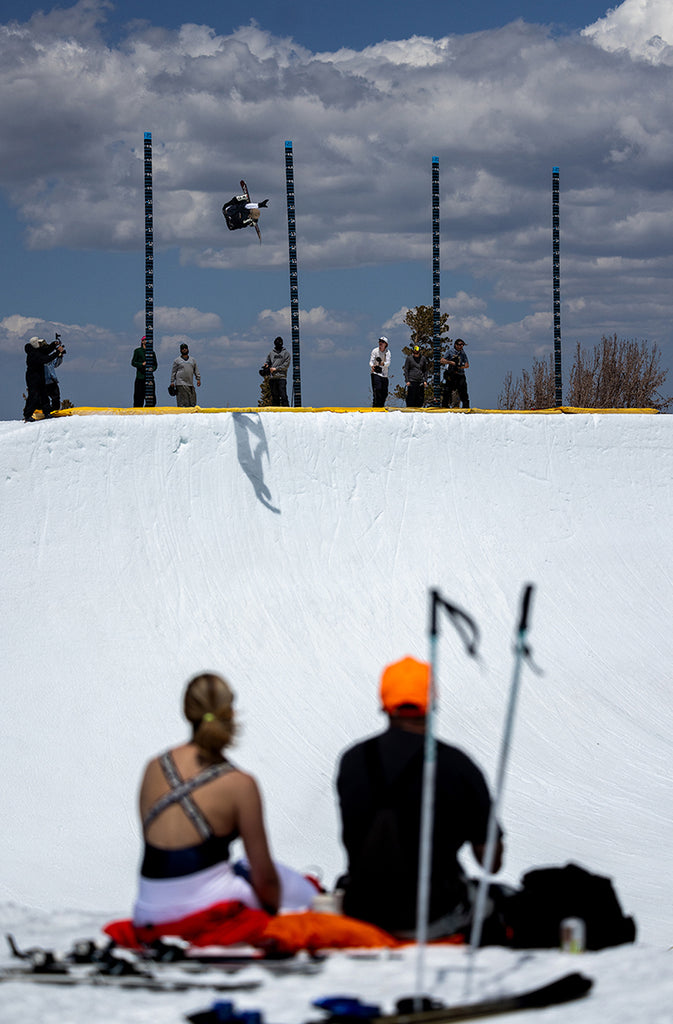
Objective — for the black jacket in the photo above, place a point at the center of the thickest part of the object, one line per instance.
(36, 360)
(461, 810)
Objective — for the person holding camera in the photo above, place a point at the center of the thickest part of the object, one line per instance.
(454, 376)
(38, 354)
(379, 361)
(278, 362)
(51, 380)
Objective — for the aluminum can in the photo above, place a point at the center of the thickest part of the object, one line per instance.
(328, 902)
(573, 935)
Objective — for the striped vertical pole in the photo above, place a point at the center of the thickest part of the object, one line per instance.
(556, 285)
(294, 287)
(150, 393)
(436, 339)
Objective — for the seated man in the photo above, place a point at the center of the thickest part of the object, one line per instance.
(379, 784)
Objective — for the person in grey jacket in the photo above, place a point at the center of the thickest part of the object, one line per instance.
(278, 361)
(415, 378)
(182, 378)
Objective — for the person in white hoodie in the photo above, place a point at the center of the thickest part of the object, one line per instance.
(379, 361)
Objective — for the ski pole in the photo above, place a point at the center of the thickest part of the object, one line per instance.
(520, 653)
(470, 636)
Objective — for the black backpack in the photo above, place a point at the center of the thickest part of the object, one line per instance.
(548, 895)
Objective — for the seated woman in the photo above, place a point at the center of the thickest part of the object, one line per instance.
(193, 804)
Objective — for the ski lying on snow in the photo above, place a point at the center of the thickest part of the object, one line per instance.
(167, 966)
(73, 976)
(347, 1010)
(351, 1011)
(230, 958)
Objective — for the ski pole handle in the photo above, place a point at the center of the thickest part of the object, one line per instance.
(464, 623)
(525, 607)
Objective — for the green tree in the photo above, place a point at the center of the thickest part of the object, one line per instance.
(264, 393)
(420, 320)
(618, 374)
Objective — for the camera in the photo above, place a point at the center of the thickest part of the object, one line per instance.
(377, 368)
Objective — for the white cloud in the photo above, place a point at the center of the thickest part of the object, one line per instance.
(184, 318)
(322, 333)
(642, 28)
(462, 304)
(499, 108)
(316, 319)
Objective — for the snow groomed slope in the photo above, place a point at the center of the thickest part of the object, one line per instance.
(294, 553)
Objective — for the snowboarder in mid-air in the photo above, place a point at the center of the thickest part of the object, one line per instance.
(240, 212)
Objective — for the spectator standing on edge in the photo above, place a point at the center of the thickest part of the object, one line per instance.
(379, 361)
(379, 785)
(278, 361)
(51, 381)
(38, 354)
(139, 360)
(454, 376)
(415, 378)
(182, 378)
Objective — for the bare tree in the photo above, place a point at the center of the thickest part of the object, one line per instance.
(618, 374)
(534, 390)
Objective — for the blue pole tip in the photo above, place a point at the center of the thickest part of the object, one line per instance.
(555, 170)
(148, 135)
(435, 159)
(288, 144)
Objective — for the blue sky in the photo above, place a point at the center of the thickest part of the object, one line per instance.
(368, 94)
(353, 23)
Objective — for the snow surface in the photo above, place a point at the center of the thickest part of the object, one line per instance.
(294, 552)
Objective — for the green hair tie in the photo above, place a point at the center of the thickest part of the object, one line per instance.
(208, 717)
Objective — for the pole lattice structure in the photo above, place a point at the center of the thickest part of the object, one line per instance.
(556, 285)
(150, 394)
(436, 339)
(294, 287)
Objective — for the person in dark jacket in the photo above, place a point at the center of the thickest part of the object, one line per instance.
(278, 361)
(415, 378)
(38, 354)
(379, 785)
(454, 376)
(139, 361)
